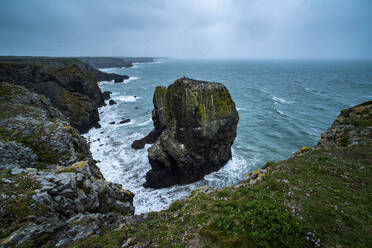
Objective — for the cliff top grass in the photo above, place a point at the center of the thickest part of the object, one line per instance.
(319, 198)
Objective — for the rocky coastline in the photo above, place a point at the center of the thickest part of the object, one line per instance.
(67, 62)
(54, 195)
(52, 192)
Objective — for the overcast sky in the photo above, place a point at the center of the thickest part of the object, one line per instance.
(325, 29)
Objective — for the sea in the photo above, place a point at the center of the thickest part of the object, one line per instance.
(283, 106)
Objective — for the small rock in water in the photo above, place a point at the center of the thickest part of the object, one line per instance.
(112, 102)
(124, 121)
(113, 122)
(106, 95)
(136, 107)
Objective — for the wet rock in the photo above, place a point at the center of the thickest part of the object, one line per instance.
(106, 95)
(148, 139)
(112, 102)
(118, 80)
(158, 118)
(124, 121)
(196, 122)
(113, 122)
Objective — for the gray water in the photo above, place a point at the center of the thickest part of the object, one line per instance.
(283, 105)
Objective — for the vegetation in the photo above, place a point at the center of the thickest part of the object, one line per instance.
(318, 198)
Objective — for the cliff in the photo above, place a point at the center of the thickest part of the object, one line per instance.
(52, 192)
(105, 62)
(64, 62)
(137, 59)
(320, 197)
(73, 92)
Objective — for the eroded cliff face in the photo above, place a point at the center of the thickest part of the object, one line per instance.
(75, 93)
(52, 192)
(196, 123)
(66, 62)
(352, 126)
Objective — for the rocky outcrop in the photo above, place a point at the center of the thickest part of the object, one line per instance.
(52, 192)
(75, 93)
(352, 126)
(106, 95)
(197, 123)
(65, 62)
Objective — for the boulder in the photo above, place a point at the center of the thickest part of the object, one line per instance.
(124, 121)
(195, 125)
(112, 102)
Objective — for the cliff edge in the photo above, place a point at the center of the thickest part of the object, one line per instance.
(320, 197)
(52, 192)
(75, 93)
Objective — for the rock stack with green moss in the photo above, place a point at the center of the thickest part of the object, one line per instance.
(52, 192)
(197, 121)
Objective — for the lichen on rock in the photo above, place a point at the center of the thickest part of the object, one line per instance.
(352, 126)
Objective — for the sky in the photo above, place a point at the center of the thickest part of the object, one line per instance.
(250, 29)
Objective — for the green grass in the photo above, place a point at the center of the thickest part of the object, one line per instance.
(322, 194)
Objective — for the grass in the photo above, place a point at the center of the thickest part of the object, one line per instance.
(320, 198)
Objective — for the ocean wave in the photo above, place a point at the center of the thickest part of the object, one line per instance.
(130, 79)
(145, 122)
(280, 112)
(126, 98)
(281, 100)
(101, 83)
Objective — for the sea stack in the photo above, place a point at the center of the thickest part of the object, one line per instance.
(195, 123)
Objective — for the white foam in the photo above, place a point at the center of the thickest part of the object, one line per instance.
(280, 112)
(121, 164)
(100, 83)
(278, 99)
(126, 98)
(281, 100)
(145, 123)
(130, 79)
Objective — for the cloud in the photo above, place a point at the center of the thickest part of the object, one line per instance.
(200, 28)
